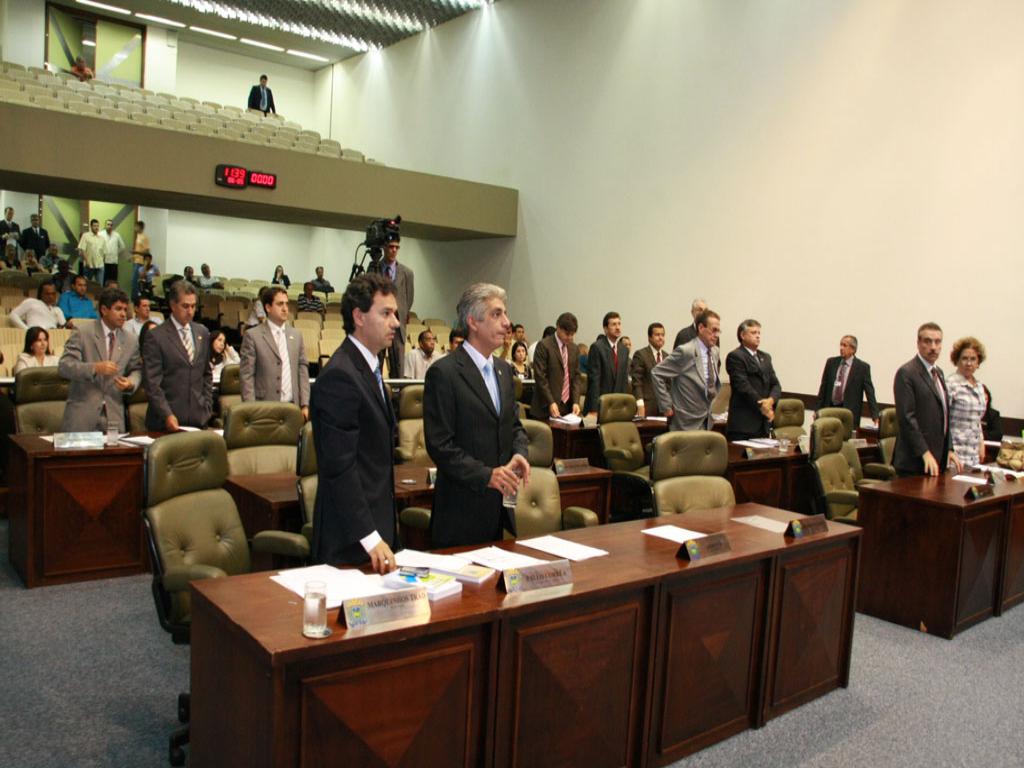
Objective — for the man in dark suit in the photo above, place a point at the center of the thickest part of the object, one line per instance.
(755, 388)
(10, 232)
(689, 333)
(846, 380)
(402, 277)
(922, 410)
(261, 97)
(176, 366)
(556, 371)
(607, 363)
(472, 429)
(640, 367)
(35, 238)
(353, 431)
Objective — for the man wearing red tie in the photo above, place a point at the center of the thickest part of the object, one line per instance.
(846, 381)
(607, 364)
(640, 371)
(922, 410)
(556, 371)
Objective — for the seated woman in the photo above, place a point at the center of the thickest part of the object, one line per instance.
(37, 351)
(967, 401)
(520, 366)
(221, 354)
(31, 263)
(280, 278)
(10, 258)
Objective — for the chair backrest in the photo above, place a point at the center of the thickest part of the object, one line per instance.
(230, 387)
(827, 437)
(677, 495)
(261, 437)
(622, 435)
(698, 452)
(39, 396)
(541, 443)
(887, 434)
(539, 505)
(616, 407)
(830, 465)
(192, 519)
(845, 415)
(412, 442)
(308, 470)
(789, 418)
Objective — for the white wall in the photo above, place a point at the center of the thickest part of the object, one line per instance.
(24, 205)
(843, 166)
(22, 31)
(161, 59)
(210, 74)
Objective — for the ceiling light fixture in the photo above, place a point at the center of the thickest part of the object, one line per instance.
(104, 7)
(90, 43)
(305, 55)
(258, 44)
(213, 33)
(160, 20)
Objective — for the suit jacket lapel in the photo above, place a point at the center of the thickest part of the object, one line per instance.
(475, 379)
(929, 382)
(369, 380)
(268, 337)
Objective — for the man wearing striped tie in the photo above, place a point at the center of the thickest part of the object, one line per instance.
(556, 371)
(176, 367)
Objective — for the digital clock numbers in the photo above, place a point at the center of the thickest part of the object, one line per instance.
(236, 177)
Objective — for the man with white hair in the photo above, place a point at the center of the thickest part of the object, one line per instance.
(689, 333)
(468, 402)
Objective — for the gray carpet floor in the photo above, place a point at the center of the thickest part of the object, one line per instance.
(88, 678)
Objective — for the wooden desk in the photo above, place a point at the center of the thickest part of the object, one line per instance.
(644, 659)
(266, 502)
(936, 562)
(579, 442)
(74, 515)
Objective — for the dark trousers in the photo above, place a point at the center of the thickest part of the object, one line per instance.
(109, 272)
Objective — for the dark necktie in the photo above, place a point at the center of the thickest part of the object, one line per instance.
(110, 347)
(940, 388)
(840, 388)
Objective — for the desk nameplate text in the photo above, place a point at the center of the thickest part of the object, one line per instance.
(388, 608)
(705, 546)
(531, 577)
(807, 526)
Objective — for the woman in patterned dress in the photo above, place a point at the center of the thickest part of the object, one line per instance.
(967, 401)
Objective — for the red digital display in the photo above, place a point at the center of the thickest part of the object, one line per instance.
(262, 179)
(236, 177)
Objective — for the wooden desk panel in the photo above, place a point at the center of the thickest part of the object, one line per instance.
(75, 515)
(514, 679)
(266, 502)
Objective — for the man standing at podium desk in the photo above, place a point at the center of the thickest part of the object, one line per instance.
(922, 410)
(353, 431)
(472, 429)
(755, 387)
(845, 382)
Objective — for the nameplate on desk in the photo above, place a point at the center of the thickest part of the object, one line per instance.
(807, 526)
(561, 465)
(69, 441)
(976, 492)
(388, 608)
(531, 577)
(705, 546)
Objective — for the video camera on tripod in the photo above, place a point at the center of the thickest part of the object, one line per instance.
(379, 233)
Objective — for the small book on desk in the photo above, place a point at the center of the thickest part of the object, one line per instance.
(438, 585)
(449, 565)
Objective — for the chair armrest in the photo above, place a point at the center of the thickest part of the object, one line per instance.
(578, 517)
(617, 453)
(177, 579)
(307, 531)
(842, 497)
(403, 454)
(281, 543)
(415, 517)
(649, 453)
(878, 471)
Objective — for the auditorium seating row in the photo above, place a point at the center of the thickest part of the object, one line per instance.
(37, 87)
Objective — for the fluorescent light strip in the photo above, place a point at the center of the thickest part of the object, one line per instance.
(213, 33)
(258, 44)
(104, 7)
(160, 20)
(90, 43)
(305, 55)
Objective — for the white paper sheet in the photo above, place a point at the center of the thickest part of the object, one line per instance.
(973, 480)
(341, 584)
(142, 440)
(570, 550)
(993, 443)
(767, 442)
(413, 558)
(674, 533)
(663, 419)
(996, 469)
(499, 559)
(766, 523)
(750, 444)
(569, 418)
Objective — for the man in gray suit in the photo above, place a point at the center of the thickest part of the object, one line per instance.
(687, 381)
(176, 366)
(402, 277)
(271, 349)
(102, 363)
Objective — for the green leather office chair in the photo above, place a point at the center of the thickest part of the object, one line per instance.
(688, 470)
(137, 405)
(837, 491)
(541, 443)
(412, 445)
(789, 418)
(539, 508)
(886, 445)
(870, 473)
(230, 389)
(625, 456)
(296, 546)
(39, 398)
(261, 437)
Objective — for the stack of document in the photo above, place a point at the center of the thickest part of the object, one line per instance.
(342, 584)
(569, 418)
(451, 565)
(438, 585)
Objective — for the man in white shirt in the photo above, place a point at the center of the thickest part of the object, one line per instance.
(91, 247)
(41, 311)
(273, 365)
(418, 360)
(142, 316)
(113, 247)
